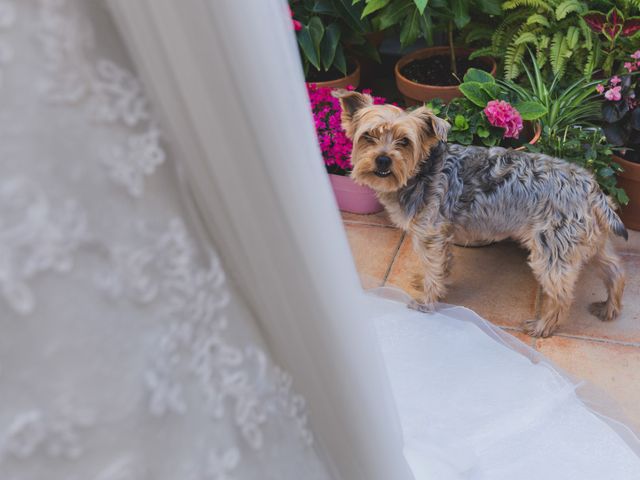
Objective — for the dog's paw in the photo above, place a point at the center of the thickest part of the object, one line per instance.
(422, 307)
(603, 311)
(538, 328)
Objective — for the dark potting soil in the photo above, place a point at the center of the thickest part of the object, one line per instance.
(333, 74)
(436, 70)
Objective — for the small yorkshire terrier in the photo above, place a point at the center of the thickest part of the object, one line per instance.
(439, 191)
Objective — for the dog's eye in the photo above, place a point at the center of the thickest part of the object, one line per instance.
(404, 141)
(368, 137)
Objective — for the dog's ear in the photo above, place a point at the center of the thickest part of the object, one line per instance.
(351, 102)
(434, 125)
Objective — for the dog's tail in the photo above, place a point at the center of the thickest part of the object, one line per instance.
(605, 209)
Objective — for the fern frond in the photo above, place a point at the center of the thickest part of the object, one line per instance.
(512, 59)
(587, 35)
(538, 4)
(568, 6)
(558, 54)
(536, 18)
(525, 37)
(573, 35)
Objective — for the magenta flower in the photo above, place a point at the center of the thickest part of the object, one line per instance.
(334, 144)
(502, 114)
(636, 55)
(615, 80)
(613, 94)
(600, 88)
(630, 66)
(297, 26)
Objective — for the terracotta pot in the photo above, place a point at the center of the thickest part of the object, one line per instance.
(530, 130)
(352, 79)
(415, 93)
(630, 181)
(352, 197)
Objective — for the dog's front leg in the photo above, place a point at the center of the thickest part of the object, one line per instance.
(433, 248)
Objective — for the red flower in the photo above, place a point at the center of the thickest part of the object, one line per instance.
(297, 26)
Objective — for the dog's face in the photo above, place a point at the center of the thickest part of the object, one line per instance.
(388, 143)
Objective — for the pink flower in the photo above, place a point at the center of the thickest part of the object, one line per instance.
(630, 66)
(615, 80)
(613, 94)
(502, 114)
(333, 143)
(600, 88)
(297, 26)
(636, 55)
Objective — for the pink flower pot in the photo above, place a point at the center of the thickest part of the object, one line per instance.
(352, 197)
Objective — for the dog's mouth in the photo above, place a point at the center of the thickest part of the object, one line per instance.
(382, 173)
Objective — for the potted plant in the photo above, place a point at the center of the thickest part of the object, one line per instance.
(571, 125)
(618, 31)
(562, 43)
(489, 114)
(330, 36)
(621, 117)
(433, 72)
(336, 151)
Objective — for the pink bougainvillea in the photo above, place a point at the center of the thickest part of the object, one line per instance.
(334, 144)
(502, 114)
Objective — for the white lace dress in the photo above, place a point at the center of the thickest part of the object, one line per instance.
(124, 353)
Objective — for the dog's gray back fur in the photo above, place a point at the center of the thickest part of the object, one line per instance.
(495, 193)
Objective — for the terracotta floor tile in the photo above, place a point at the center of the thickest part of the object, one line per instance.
(523, 337)
(373, 250)
(629, 246)
(380, 218)
(610, 367)
(494, 281)
(590, 289)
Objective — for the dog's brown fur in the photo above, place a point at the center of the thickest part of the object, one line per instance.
(437, 192)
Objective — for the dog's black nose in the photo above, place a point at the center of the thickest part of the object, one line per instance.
(383, 163)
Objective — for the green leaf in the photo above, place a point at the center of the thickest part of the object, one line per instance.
(393, 14)
(316, 30)
(530, 110)
(491, 7)
(460, 10)
(410, 29)
(475, 93)
(525, 37)
(373, 6)
(461, 123)
(482, 132)
(340, 62)
(350, 14)
(477, 75)
(329, 45)
(606, 172)
(306, 45)
(421, 5)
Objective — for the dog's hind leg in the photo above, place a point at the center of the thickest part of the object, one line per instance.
(557, 274)
(610, 270)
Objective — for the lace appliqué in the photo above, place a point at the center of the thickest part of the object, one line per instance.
(57, 435)
(36, 235)
(194, 345)
(110, 94)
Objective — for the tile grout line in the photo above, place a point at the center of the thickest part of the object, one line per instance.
(393, 259)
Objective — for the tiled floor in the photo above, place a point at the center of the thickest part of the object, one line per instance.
(496, 282)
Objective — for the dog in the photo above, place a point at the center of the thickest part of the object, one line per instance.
(439, 192)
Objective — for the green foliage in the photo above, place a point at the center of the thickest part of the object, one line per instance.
(570, 125)
(420, 18)
(469, 125)
(553, 29)
(330, 29)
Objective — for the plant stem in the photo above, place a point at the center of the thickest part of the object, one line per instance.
(452, 51)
